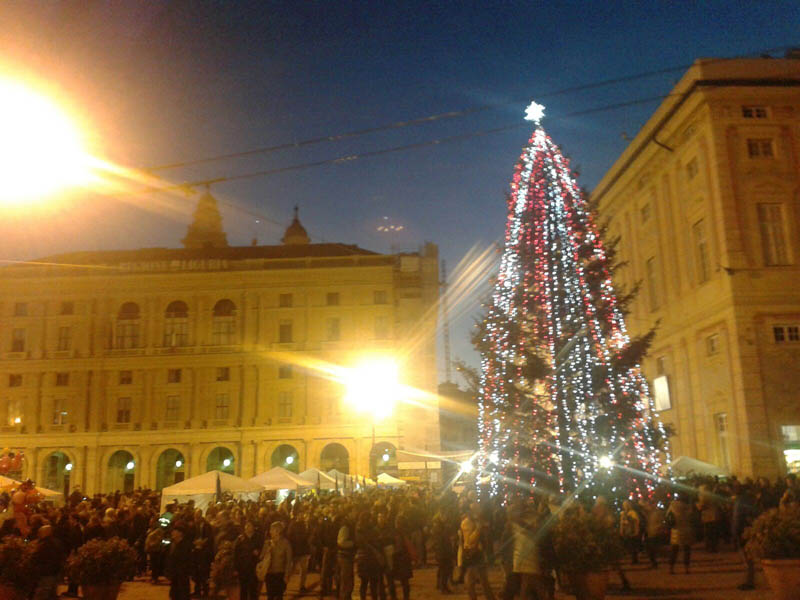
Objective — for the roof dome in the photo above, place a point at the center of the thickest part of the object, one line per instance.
(295, 234)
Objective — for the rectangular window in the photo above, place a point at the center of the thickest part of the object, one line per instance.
(701, 251)
(380, 297)
(173, 375)
(793, 333)
(285, 332)
(18, 340)
(127, 335)
(222, 331)
(285, 405)
(661, 397)
(754, 112)
(64, 339)
(223, 407)
(67, 308)
(779, 334)
(59, 412)
(285, 372)
(20, 309)
(721, 425)
(760, 148)
(791, 433)
(691, 169)
(652, 282)
(661, 365)
(786, 333)
(176, 333)
(14, 412)
(381, 328)
(332, 330)
(285, 300)
(123, 410)
(173, 408)
(332, 299)
(223, 373)
(712, 344)
(644, 213)
(15, 380)
(62, 378)
(125, 377)
(773, 234)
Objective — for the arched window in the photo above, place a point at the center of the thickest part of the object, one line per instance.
(121, 469)
(126, 334)
(170, 468)
(286, 456)
(383, 459)
(334, 456)
(176, 324)
(223, 327)
(57, 470)
(221, 459)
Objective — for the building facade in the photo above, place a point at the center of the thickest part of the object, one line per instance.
(706, 202)
(136, 368)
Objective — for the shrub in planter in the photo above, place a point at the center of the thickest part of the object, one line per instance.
(102, 563)
(16, 568)
(223, 571)
(775, 538)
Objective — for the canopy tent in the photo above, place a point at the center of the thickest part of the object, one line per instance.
(316, 477)
(684, 466)
(278, 478)
(7, 484)
(203, 489)
(389, 481)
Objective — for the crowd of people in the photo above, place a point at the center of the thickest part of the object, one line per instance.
(373, 541)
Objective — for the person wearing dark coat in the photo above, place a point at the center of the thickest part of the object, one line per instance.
(48, 560)
(245, 557)
(368, 557)
(202, 554)
(403, 560)
(69, 531)
(179, 565)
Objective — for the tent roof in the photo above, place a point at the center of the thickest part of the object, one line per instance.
(313, 475)
(386, 479)
(685, 465)
(7, 482)
(278, 478)
(207, 484)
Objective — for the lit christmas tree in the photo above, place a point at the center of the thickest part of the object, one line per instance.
(563, 403)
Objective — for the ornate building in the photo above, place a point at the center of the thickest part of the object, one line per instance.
(706, 201)
(144, 367)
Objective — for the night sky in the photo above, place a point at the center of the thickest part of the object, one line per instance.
(157, 83)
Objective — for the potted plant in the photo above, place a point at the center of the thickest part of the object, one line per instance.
(774, 538)
(584, 546)
(223, 571)
(16, 569)
(100, 567)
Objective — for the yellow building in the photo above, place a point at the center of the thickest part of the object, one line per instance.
(706, 200)
(144, 367)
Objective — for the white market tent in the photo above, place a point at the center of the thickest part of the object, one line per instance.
(7, 483)
(278, 478)
(686, 465)
(389, 481)
(203, 489)
(316, 477)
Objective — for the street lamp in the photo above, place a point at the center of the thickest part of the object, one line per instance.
(130, 465)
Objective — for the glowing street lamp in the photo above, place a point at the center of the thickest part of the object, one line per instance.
(226, 462)
(130, 465)
(466, 466)
(41, 150)
(178, 464)
(289, 459)
(372, 386)
(68, 467)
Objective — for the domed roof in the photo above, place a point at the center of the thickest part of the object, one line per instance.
(295, 233)
(206, 230)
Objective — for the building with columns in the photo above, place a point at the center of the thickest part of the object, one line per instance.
(706, 202)
(121, 369)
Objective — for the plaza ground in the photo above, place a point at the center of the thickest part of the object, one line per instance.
(712, 576)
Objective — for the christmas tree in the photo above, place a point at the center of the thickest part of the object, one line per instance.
(563, 403)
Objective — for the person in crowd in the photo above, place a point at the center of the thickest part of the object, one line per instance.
(710, 517)
(246, 551)
(328, 533)
(297, 533)
(277, 554)
(630, 530)
(178, 565)
(346, 552)
(679, 519)
(368, 556)
(202, 553)
(655, 530)
(444, 546)
(529, 562)
(385, 540)
(403, 558)
(602, 511)
(155, 548)
(473, 559)
(48, 560)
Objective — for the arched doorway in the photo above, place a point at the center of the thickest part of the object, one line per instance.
(221, 459)
(121, 470)
(334, 456)
(170, 468)
(287, 457)
(57, 469)
(383, 459)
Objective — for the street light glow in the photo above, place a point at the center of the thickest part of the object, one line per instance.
(130, 465)
(289, 460)
(41, 149)
(373, 386)
(606, 462)
(178, 463)
(466, 467)
(385, 457)
(68, 467)
(226, 462)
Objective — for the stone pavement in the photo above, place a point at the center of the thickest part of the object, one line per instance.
(711, 577)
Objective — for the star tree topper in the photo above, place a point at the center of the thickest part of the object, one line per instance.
(534, 112)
